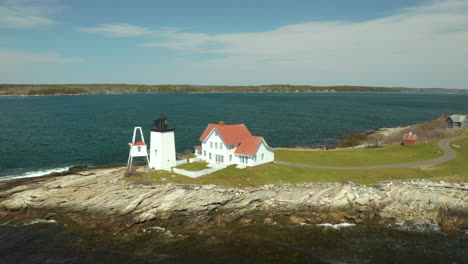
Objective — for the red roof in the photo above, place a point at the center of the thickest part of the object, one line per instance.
(139, 143)
(248, 145)
(231, 134)
(198, 147)
(409, 136)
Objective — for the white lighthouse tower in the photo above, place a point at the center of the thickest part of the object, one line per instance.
(162, 146)
(137, 148)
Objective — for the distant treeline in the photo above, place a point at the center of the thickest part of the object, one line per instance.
(73, 89)
(57, 91)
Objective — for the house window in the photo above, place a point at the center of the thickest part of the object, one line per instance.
(216, 145)
(230, 157)
(219, 158)
(244, 159)
(204, 153)
(220, 146)
(209, 155)
(263, 156)
(211, 144)
(255, 158)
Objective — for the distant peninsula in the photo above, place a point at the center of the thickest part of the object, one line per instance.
(78, 89)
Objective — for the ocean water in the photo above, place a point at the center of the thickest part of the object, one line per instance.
(39, 135)
(51, 242)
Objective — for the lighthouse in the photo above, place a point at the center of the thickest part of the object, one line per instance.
(162, 146)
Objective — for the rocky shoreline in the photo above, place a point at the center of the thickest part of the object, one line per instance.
(102, 200)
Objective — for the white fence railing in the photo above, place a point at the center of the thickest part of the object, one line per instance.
(196, 174)
(183, 161)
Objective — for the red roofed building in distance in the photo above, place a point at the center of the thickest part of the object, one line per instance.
(233, 144)
(409, 139)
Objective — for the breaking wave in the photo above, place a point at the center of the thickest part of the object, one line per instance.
(40, 221)
(31, 222)
(33, 174)
(402, 225)
(336, 226)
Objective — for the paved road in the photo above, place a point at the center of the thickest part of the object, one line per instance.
(449, 154)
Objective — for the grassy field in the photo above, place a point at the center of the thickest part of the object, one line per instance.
(195, 166)
(454, 170)
(392, 154)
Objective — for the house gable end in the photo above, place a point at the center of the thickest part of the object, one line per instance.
(267, 146)
(214, 132)
(263, 142)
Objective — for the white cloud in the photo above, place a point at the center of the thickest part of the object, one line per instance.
(117, 30)
(25, 13)
(13, 59)
(425, 46)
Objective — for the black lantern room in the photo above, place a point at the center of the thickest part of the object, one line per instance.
(161, 124)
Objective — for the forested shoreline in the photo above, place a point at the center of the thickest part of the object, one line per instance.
(77, 89)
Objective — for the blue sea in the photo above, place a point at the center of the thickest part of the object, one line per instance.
(39, 135)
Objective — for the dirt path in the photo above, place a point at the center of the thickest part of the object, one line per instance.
(449, 154)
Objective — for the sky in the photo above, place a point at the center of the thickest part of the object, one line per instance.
(397, 43)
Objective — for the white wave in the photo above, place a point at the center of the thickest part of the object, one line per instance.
(402, 225)
(40, 221)
(33, 174)
(4, 224)
(32, 222)
(157, 228)
(168, 233)
(336, 226)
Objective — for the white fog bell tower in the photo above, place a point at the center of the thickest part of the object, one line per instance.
(137, 148)
(162, 146)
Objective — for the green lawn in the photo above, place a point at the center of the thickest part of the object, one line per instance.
(454, 170)
(194, 166)
(391, 154)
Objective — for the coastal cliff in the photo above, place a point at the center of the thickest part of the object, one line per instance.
(102, 199)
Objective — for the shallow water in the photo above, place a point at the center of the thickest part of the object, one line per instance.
(44, 134)
(54, 243)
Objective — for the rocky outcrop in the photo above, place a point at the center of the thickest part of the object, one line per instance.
(101, 198)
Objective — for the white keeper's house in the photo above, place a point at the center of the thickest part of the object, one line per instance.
(233, 144)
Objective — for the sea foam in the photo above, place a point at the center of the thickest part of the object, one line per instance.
(419, 227)
(40, 221)
(33, 174)
(336, 226)
(31, 222)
